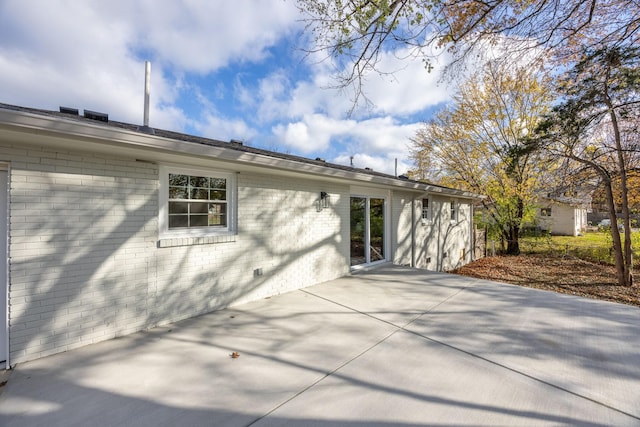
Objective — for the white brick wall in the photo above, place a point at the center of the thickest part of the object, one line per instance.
(86, 264)
(401, 227)
(74, 223)
(440, 244)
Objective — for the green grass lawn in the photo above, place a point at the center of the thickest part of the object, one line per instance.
(592, 246)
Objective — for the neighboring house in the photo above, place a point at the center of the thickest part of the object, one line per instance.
(564, 216)
(110, 228)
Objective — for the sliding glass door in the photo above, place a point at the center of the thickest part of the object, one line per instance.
(376, 230)
(358, 229)
(367, 230)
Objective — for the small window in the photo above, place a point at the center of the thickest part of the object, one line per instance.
(545, 212)
(454, 211)
(426, 210)
(196, 202)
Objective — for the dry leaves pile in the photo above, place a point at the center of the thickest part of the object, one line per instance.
(560, 274)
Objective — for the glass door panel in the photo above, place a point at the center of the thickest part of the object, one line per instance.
(367, 230)
(376, 229)
(358, 230)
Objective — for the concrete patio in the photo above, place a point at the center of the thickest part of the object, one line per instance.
(393, 346)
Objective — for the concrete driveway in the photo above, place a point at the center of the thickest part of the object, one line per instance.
(393, 346)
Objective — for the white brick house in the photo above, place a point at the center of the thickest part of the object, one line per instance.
(107, 229)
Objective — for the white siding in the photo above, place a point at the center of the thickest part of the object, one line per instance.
(86, 264)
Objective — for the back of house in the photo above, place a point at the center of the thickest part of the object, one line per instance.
(109, 228)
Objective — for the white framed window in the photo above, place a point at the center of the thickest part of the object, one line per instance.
(196, 202)
(426, 209)
(454, 211)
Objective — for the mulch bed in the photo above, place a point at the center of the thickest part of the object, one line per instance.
(566, 275)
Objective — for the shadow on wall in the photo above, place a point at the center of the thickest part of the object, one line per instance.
(103, 275)
(441, 242)
(84, 282)
(284, 240)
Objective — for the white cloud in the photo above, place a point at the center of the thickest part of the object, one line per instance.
(314, 118)
(409, 89)
(207, 35)
(384, 139)
(272, 95)
(87, 54)
(377, 143)
(90, 55)
(407, 92)
(223, 128)
(297, 135)
(51, 57)
(242, 94)
(313, 134)
(384, 134)
(382, 163)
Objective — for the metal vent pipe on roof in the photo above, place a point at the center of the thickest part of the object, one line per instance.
(147, 90)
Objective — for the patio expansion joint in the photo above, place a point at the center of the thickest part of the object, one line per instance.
(399, 328)
(524, 374)
(336, 369)
(396, 329)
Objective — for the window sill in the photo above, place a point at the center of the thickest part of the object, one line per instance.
(196, 240)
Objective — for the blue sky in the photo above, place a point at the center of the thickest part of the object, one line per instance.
(220, 69)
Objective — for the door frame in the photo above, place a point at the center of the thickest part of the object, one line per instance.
(372, 193)
(4, 281)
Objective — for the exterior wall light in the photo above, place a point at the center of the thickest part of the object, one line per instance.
(324, 200)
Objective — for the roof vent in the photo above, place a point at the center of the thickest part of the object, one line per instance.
(320, 159)
(368, 169)
(94, 115)
(69, 110)
(147, 91)
(403, 177)
(236, 141)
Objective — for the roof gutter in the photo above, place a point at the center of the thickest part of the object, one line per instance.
(54, 126)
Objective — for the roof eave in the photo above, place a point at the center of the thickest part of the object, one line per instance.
(98, 133)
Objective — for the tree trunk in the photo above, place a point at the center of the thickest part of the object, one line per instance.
(513, 247)
(512, 236)
(615, 235)
(625, 277)
(628, 253)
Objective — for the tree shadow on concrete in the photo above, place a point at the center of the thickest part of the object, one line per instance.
(287, 345)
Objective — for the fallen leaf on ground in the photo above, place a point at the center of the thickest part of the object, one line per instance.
(563, 274)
